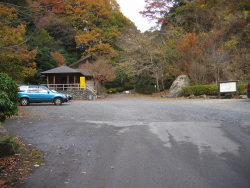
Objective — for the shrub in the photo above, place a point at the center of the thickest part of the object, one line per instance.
(242, 89)
(200, 90)
(209, 90)
(144, 85)
(9, 146)
(8, 97)
(119, 89)
(111, 90)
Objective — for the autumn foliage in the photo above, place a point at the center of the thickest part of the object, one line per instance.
(105, 71)
(210, 37)
(98, 24)
(205, 39)
(15, 59)
(59, 57)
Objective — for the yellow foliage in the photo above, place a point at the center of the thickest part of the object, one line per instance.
(97, 23)
(15, 57)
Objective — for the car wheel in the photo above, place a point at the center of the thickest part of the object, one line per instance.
(57, 101)
(24, 101)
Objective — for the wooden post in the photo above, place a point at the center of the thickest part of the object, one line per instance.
(219, 96)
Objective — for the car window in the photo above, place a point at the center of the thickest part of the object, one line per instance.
(32, 89)
(42, 90)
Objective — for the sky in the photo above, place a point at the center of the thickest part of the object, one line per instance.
(131, 9)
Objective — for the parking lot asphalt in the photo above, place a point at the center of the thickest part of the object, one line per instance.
(138, 142)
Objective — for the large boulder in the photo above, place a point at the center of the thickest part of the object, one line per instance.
(176, 88)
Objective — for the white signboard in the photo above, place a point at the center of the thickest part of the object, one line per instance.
(228, 87)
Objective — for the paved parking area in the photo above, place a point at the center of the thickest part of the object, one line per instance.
(138, 142)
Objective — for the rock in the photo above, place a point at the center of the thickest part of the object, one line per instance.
(213, 97)
(243, 97)
(192, 96)
(176, 88)
(203, 96)
(228, 96)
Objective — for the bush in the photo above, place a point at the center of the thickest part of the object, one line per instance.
(242, 89)
(144, 85)
(210, 90)
(200, 90)
(8, 97)
(9, 146)
(119, 89)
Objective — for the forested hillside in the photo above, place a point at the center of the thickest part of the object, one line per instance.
(37, 35)
(209, 40)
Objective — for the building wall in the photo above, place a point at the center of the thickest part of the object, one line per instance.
(80, 94)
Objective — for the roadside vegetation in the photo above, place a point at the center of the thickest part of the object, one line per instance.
(8, 97)
(16, 159)
(210, 90)
(208, 40)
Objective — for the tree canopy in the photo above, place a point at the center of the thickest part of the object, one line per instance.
(16, 58)
(206, 39)
(43, 34)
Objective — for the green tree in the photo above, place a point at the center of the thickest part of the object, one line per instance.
(45, 60)
(8, 97)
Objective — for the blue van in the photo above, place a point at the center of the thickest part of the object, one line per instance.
(37, 94)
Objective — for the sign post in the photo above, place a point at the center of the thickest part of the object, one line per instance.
(82, 82)
(228, 87)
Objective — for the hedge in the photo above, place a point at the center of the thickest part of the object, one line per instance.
(119, 89)
(209, 90)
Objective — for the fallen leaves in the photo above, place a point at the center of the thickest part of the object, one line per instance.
(2, 183)
(15, 168)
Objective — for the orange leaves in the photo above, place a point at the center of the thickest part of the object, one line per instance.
(15, 57)
(25, 55)
(195, 44)
(104, 68)
(56, 6)
(98, 24)
(59, 57)
(94, 42)
(6, 13)
(189, 42)
(11, 36)
(156, 10)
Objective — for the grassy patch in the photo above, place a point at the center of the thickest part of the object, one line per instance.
(16, 160)
(8, 146)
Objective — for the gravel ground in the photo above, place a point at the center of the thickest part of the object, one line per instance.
(144, 142)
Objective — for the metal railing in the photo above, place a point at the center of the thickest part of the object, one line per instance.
(68, 87)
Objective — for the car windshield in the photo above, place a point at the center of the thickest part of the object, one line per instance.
(54, 91)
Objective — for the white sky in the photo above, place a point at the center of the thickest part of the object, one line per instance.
(131, 9)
